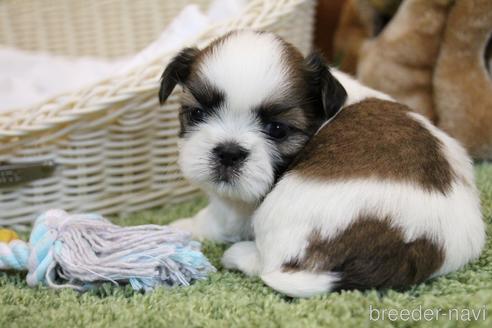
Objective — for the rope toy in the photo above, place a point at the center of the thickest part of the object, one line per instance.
(80, 251)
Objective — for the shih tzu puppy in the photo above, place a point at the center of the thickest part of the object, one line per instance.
(338, 186)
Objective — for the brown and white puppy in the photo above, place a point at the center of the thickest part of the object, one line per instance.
(371, 196)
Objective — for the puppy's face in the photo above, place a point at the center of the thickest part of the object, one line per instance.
(250, 103)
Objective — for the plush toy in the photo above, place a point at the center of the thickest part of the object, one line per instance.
(432, 55)
(462, 77)
(81, 251)
(360, 20)
(401, 59)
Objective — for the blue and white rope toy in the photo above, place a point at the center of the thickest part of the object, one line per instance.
(80, 251)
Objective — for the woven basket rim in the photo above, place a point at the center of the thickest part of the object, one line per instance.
(58, 112)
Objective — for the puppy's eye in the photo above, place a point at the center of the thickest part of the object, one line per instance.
(276, 130)
(195, 114)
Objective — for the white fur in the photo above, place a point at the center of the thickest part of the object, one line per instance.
(234, 70)
(240, 127)
(243, 256)
(455, 153)
(300, 284)
(223, 220)
(298, 206)
(247, 77)
(355, 90)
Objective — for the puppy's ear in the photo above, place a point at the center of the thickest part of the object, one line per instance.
(324, 87)
(177, 71)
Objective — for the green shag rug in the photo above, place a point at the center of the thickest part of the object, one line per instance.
(229, 299)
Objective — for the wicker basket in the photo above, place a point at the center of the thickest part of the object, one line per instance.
(109, 148)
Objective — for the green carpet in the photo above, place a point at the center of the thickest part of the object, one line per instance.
(229, 299)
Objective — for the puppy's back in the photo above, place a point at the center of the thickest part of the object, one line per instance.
(378, 198)
(377, 139)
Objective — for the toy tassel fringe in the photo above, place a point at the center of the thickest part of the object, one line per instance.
(81, 251)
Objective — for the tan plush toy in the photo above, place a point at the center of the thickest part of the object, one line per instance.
(351, 32)
(401, 59)
(462, 78)
(359, 21)
(432, 55)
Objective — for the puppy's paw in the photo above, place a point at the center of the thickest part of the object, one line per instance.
(242, 256)
(188, 225)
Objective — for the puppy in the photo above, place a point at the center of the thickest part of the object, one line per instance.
(341, 187)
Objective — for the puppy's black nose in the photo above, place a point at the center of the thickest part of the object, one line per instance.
(230, 153)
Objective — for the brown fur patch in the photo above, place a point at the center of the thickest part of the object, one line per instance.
(370, 253)
(376, 138)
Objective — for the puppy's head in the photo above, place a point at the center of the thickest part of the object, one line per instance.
(250, 103)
